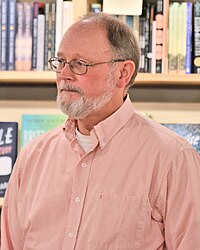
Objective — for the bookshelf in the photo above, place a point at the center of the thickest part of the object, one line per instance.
(48, 77)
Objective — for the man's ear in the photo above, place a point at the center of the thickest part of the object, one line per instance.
(126, 72)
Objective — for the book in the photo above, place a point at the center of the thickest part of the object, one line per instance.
(47, 35)
(27, 51)
(53, 30)
(34, 35)
(19, 42)
(196, 57)
(11, 35)
(159, 18)
(67, 15)
(40, 37)
(191, 132)
(8, 152)
(181, 37)
(35, 125)
(188, 57)
(4, 32)
(59, 28)
(173, 39)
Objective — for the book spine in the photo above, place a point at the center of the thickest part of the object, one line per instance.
(147, 37)
(173, 39)
(4, 32)
(34, 35)
(53, 29)
(142, 42)
(19, 41)
(59, 27)
(165, 37)
(159, 35)
(188, 57)
(11, 35)
(196, 59)
(40, 38)
(182, 20)
(28, 17)
(153, 65)
(149, 54)
(46, 38)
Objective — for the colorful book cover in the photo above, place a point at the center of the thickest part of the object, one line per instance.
(11, 34)
(191, 132)
(35, 125)
(8, 152)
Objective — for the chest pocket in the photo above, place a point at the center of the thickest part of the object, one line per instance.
(118, 222)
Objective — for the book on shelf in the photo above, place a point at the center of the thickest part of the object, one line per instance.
(8, 152)
(4, 32)
(191, 132)
(11, 35)
(196, 36)
(188, 57)
(35, 125)
(40, 37)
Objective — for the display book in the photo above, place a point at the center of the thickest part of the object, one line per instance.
(32, 126)
(8, 152)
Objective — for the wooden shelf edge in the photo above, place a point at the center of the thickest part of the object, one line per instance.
(48, 77)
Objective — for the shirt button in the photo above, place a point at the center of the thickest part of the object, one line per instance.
(83, 165)
(77, 199)
(70, 235)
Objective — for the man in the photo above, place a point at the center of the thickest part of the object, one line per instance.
(109, 178)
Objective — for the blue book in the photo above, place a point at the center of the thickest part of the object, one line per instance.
(8, 152)
(188, 57)
(11, 34)
(4, 31)
(191, 132)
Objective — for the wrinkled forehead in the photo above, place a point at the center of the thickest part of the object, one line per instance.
(87, 37)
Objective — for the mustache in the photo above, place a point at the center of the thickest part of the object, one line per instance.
(69, 87)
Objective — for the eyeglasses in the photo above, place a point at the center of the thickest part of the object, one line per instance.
(78, 67)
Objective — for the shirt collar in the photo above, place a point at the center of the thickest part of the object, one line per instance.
(106, 129)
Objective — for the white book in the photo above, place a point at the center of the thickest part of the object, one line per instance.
(59, 23)
(67, 15)
(40, 42)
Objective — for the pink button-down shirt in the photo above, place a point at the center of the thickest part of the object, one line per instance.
(138, 188)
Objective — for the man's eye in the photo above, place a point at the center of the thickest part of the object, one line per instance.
(80, 63)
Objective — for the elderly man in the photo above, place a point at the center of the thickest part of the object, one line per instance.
(109, 178)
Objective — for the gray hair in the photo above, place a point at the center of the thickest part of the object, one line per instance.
(122, 40)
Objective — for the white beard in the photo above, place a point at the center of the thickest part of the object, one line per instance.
(83, 107)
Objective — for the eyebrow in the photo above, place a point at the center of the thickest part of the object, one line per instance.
(78, 56)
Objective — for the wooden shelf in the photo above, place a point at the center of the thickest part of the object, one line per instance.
(48, 77)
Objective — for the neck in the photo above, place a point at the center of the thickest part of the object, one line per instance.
(86, 124)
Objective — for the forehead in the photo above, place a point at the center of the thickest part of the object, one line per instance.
(85, 41)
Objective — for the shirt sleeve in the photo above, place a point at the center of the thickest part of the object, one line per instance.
(181, 213)
(11, 233)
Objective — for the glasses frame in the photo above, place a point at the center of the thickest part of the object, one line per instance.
(82, 61)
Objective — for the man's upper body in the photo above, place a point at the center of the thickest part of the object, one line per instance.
(136, 188)
(112, 179)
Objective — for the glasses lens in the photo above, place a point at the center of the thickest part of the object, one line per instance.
(78, 67)
(57, 64)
